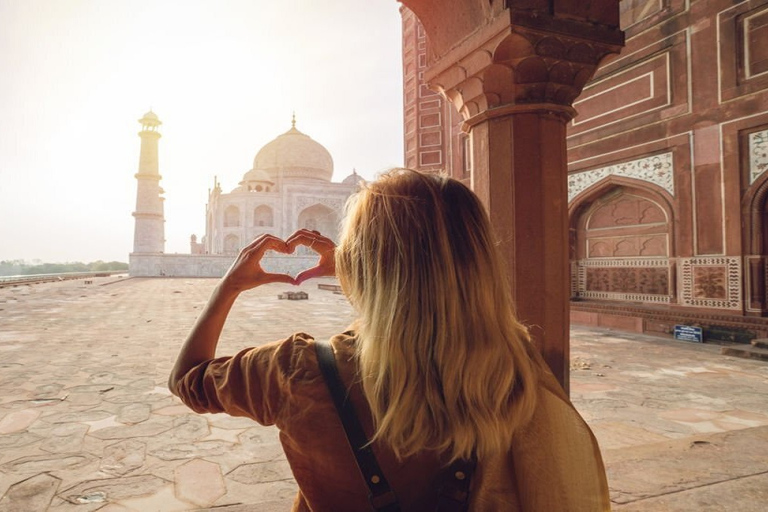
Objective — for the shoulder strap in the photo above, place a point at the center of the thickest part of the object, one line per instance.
(381, 496)
(453, 486)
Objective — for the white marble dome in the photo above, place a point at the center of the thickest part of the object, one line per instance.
(353, 179)
(294, 155)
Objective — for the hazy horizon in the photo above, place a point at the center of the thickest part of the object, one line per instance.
(223, 77)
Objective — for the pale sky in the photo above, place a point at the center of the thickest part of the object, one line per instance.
(224, 77)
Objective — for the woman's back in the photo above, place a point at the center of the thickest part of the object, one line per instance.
(552, 463)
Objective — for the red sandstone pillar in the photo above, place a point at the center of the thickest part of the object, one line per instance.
(514, 79)
(519, 164)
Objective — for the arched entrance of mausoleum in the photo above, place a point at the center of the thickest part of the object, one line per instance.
(755, 244)
(621, 244)
(320, 218)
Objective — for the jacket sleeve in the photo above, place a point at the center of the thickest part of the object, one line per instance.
(252, 383)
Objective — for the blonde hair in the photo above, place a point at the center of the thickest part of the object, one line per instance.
(444, 362)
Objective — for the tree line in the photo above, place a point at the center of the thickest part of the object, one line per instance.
(24, 268)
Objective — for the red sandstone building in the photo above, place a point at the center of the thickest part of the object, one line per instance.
(667, 178)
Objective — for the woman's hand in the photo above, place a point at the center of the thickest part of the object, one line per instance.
(322, 245)
(246, 272)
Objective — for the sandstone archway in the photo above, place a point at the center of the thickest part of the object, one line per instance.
(622, 245)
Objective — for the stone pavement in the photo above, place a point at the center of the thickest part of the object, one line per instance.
(86, 422)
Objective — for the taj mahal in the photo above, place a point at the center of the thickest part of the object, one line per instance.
(287, 188)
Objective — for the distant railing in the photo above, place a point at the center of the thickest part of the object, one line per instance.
(62, 276)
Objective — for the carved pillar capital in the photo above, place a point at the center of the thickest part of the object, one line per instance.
(515, 65)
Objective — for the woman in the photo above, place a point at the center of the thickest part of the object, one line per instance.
(437, 366)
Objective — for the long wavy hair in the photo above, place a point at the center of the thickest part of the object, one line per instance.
(445, 365)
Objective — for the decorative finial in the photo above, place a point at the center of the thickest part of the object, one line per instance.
(354, 171)
(293, 120)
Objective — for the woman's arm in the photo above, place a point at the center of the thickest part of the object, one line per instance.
(201, 342)
(244, 274)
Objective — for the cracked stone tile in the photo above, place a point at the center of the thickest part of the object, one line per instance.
(29, 495)
(115, 507)
(19, 439)
(101, 389)
(77, 416)
(190, 427)
(134, 413)
(273, 491)
(163, 500)
(172, 410)
(85, 398)
(18, 421)
(263, 472)
(200, 482)
(149, 428)
(105, 422)
(48, 390)
(114, 489)
(48, 462)
(128, 397)
(123, 457)
(222, 434)
(191, 450)
(103, 378)
(66, 438)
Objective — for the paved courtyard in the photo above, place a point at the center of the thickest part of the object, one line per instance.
(86, 422)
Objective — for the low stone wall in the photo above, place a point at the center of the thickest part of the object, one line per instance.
(194, 265)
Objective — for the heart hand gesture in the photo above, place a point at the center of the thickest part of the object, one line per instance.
(322, 245)
(246, 272)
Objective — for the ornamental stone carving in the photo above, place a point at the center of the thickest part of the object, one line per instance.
(626, 279)
(758, 155)
(335, 204)
(520, 66)
(656, 169)
(711, 282)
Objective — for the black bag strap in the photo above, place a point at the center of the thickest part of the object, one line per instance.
(453, 485)
(380, 494)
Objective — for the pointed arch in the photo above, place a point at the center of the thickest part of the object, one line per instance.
(754, 214)
(319, 217)
(263, 216)
(232, 216)
(622, 242)
(231, 244)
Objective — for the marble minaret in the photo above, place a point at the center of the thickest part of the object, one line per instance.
(149, 231)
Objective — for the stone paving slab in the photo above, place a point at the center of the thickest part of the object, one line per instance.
(86, 421)
(686, 470)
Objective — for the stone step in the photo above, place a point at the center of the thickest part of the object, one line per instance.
(747, 352)
(760, 343)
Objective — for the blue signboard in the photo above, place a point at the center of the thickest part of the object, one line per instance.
(689, 333)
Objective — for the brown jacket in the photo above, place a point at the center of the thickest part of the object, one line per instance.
(554, 463)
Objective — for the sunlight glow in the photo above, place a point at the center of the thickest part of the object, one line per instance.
(223, 76)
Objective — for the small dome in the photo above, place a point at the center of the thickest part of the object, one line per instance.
(257, 175)
(353, 179)
(150, 119)
(295, 155)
